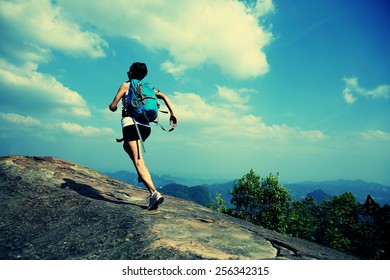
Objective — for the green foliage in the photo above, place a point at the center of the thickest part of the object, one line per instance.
(303, 219)
(221, 207)
(276, 204)
(344, 224)
(264, 202)
(218, 204)
(247, 197)
(340, 223)
(374, 241)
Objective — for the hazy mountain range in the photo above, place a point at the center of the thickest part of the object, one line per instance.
(205, 192)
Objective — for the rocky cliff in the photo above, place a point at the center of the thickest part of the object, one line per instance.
(54, 209)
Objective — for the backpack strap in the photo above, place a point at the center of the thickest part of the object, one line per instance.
(163, 128)
(157, 122)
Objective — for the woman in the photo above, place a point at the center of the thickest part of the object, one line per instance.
(131, 144)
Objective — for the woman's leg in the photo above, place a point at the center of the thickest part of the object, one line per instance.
(132, 148)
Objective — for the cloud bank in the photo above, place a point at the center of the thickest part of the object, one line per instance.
(229, 117)
(35, 91)
(223, 33)
(30, 30)
(50, 129)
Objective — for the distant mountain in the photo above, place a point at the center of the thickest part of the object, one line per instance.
(207, 192)
(222, 189)
(158, 180)
(180, 187)
(319, 196)
(202, 194)
(380, 193)
(320, 190)
(198, 194)
(124, 176)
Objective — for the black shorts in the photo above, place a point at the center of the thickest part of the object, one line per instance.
(130, 132)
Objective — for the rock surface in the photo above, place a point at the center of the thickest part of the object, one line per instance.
(54, 209)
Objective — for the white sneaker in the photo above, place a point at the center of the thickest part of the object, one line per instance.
(154, 200)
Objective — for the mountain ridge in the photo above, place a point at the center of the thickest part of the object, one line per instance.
(360, 188)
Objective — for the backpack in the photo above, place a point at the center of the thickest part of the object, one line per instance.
(141, 102)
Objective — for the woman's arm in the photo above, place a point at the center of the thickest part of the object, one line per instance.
(173, 118)
(121, 92)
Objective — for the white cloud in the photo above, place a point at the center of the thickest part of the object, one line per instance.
(46, 127)
(23, 87)
(89, 131)
(31, 29)
(20, 120)
(348, 96)
(174, 69)
(194, 32)
(261, 8)
(352, 88)
(221, 120)
(231, 95)
(373, 135)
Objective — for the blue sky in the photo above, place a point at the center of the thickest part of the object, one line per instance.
(296, 87)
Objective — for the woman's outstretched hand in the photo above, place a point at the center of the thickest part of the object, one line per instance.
(173, 120)
(112, 108)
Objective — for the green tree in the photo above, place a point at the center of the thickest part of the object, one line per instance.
(340, 223)
(263, 202)
(304, 219)
(374, 241)
(221, 206)
(247, 197)
(275, 205)
(340, 226)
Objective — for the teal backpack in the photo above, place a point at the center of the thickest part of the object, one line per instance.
(141, 102)
(142, 105)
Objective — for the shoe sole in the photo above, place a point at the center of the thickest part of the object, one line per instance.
(155, 205)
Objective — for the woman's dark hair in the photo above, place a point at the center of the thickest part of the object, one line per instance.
(138, 70)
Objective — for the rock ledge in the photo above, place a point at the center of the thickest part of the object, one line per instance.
(55, 209)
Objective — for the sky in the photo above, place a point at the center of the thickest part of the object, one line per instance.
(300, 88)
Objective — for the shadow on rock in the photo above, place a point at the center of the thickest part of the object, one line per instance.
(88, 191)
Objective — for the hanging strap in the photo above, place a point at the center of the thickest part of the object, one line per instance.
(163, 128)
(157, 122)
